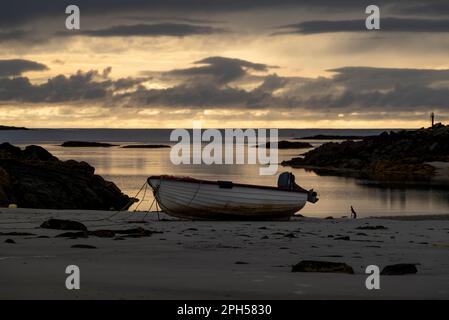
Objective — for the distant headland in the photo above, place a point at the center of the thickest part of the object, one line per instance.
(12, 128)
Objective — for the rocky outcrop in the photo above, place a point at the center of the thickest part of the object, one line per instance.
(59, 224)
(399, 269)
(146, 146)
(333, 137)
(289, 145)
(84, 144)
(404, 152)
(34, 178)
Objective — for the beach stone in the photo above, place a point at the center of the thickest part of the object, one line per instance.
(322, 266)
(102, 233)
(10, 241)
(329, 218)
(372, 228)
(14, 233)
(83, 246)
(59, 224)
(73, 235)
(346, 238)
(289, 235)
(399, 269)
(136, 232)
(241, 262)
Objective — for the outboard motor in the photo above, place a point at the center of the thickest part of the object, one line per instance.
(286, 180)
(312, 196)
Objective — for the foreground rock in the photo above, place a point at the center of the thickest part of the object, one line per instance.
(34, 178)
(73, 144)
(399, 269)
(322, 266)
(63, 225)
(146, 146)
(404, 152)
(125, 233)
(289, 145)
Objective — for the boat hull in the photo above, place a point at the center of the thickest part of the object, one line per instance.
(209, 200)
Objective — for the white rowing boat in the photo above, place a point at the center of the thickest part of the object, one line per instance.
(190, 198)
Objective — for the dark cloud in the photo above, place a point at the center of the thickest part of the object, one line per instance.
(80, 86)
(12, 35)
(386, 25)
(199, 95)
(363, 91)
(16, 67)
(22, 11)
(151, 30)
(167, 18)
(430, 8)
(221, 69)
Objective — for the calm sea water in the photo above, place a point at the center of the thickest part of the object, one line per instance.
(129, 168)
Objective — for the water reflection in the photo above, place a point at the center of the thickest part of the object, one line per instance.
(129, 168)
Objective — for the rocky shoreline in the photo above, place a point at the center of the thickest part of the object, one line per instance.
(288, 145)
(34, 178)
(390, 154)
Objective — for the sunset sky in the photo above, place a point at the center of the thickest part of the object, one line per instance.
(228, 63)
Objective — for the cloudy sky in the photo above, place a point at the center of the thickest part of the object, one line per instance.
(228, 63)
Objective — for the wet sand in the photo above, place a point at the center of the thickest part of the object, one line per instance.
(220, 260)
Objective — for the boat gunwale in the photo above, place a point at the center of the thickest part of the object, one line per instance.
(243, 185)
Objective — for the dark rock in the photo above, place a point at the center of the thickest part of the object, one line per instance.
(12, 128)
(10, 241)
(333, 137)
(346, 238)
(289, 235)
(102, 233)
(264, 237)
(37, 153)
(399, 269)
(63, 225)
(146, 146)
(73, 235)
(136, 232)
(71, 144)
(7, 150)
(399, 154)
(361, 234)
(322, 266)
(241, 262)
(289, 145)
(33, 178)
(83, 246)
(329, 218)
(16, 234)
(372, 228)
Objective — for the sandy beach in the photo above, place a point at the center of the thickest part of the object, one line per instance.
(219, 260)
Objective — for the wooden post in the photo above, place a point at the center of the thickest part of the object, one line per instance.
(432, 118)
